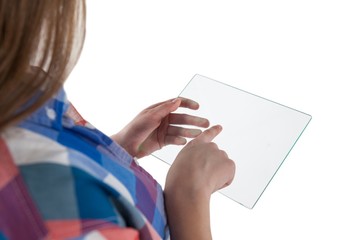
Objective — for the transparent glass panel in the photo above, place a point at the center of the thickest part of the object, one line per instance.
(257, 134)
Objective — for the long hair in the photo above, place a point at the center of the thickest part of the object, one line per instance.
(40, 42)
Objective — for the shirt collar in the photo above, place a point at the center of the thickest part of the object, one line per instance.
(52, 112)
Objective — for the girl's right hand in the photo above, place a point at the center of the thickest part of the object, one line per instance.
(201, 167)
(199, 170)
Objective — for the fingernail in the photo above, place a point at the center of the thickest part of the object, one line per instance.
(195, 132)
(174, 100)
(219, 127)
(206, 121)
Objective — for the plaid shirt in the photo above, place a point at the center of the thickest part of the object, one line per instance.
(60, 178)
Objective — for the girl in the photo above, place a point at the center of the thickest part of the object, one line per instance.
(62, 178)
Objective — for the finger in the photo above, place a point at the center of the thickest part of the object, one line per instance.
(209, 134)
(174, 140)
(183, 132)
(157, 104)
(164, 109)
(185, 103)
(188, 103)
(185, 119)
(161, 103)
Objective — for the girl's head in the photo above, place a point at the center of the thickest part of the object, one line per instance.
(40, 41)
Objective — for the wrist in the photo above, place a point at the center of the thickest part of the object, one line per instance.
(120, 138)
(194, 195)
(188, 214)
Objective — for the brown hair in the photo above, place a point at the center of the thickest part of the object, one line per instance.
(47, 34)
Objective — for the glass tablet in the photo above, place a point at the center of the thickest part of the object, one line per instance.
(258, 134)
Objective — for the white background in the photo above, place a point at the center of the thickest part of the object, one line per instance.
(304, 54)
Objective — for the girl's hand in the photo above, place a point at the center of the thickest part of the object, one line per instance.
(200, 169)
(153, 128)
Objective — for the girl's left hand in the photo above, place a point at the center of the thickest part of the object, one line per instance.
(153, 128)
